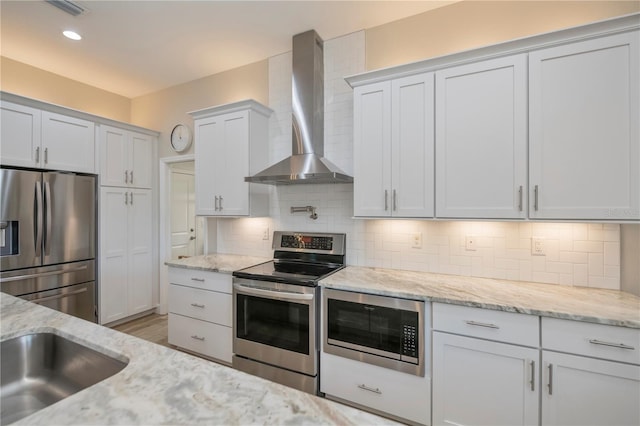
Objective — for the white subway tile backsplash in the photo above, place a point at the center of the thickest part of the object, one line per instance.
(576, 254)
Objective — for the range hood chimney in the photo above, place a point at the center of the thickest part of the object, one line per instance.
(307, 163)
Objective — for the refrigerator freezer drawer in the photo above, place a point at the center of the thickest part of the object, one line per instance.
(77, 300)
(33, 280)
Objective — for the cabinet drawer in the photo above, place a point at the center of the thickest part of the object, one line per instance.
(205, 280)
(206, 305)
(202, 337)
(509, 327)
(594, 340)
(377, 388)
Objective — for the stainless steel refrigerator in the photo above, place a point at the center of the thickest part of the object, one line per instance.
(48, 239)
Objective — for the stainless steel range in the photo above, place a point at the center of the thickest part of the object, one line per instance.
(276, 308)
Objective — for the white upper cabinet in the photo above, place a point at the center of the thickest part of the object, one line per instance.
(481, 139)
(125, 158)
(20, 142)
(43, 139)
(231, 143)
(393, 147)
(584, 130)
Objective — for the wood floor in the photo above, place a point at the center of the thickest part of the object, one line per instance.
(152, 328)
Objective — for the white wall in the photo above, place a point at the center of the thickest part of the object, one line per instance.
(576, 254)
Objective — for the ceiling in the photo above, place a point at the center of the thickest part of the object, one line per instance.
(137, 47)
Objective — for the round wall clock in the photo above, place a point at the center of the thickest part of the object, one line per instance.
(181, 138)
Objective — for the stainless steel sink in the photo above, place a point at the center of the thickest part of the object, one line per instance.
(43, 368)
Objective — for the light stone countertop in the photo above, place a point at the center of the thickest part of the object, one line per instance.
(165, 386)
(575, 303)
(225, 263)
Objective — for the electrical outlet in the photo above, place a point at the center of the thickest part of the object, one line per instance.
(470, 243)
(417, 240)
(537, 247)
(265, 233)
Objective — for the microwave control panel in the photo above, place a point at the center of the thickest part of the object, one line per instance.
(409, 341)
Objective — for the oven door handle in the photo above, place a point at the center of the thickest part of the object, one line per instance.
(271, 293)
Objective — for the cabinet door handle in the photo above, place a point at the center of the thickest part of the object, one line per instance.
(533, 375)
(482, 324)
(613, 345)
(197, 279)
(520, 198)
(131, 198)
(215, 204)
(367, 388)
(220, 198)
(126, 176)
(197, 305)
(37, 154)
(386, 202)
(131, 177)
(126, 198)
(196, 337)
(550, 385)
(535, 198)
(46, 155)
(395, 198)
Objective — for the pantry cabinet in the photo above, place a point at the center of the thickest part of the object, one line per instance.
(231, 143)
(591, 374)
(126, 158)
(126, 252)
(481, 139)
(482, 371)
(42, 139)
(584, 122)
(200, 312)
(393, 148)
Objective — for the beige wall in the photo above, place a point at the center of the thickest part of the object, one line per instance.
(471, 24)
(25, 80)
(164, 109)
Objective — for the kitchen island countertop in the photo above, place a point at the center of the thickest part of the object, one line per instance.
(594, 305)
(164, 386)
(223, 263)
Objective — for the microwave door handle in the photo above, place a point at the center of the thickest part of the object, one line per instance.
(269, 293)
(38, 218)
(48, 225)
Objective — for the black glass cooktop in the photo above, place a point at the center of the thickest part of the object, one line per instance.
(288, 272)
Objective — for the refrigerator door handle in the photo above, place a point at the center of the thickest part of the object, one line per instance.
(38, 218)
(47, 202)
(43, 274)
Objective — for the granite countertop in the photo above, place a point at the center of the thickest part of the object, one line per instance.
(576, 303)
(225, 263)
(164, 386)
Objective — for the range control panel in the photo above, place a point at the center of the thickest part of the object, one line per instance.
(309, 242)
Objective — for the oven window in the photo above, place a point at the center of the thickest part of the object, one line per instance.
(273, 322)
(370, 326)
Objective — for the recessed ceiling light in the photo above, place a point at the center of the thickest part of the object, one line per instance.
(72, 35)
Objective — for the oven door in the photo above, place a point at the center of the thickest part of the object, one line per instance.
(275, 323)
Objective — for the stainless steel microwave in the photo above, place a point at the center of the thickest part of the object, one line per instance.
(384, 331)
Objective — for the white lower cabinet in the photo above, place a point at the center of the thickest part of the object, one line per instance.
(401, 395)
(589, 385)
(477, 381)
(489, 375)
(200, 312)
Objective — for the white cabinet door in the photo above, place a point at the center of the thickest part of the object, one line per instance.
(372, 150)
(586, 391)
(231, 164)
(140, 277)
(412, 153)
(206, 132)
(482, 382)
(126, 263)
(68, 143)
(126, 158)
(114, 253)
(481, 139)
(584, 126)
(20, 137)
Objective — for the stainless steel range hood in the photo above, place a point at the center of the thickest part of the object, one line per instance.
(306, 164)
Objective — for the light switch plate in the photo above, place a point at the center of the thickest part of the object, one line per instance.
(470, 243)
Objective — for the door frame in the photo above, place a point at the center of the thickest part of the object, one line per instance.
(165, 225)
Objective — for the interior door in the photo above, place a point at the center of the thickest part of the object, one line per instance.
(183, 223)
